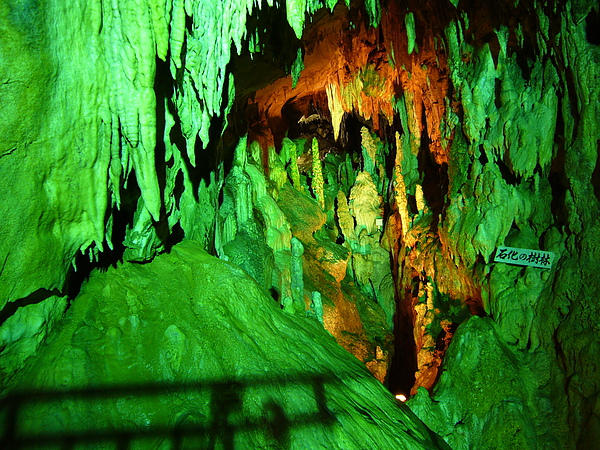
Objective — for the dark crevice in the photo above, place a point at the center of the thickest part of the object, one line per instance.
(570, 92)
(412, 204)
(559, 131)
(443, 339)
(498, 91)
(592, 27)
(483, 158)
(507, 174)
(221, 144)
(175, 237)
(401, 375)
(275, 294)
(558, 185)
(388, 135)
(122, 219)
(35, 297)
(178, 188)
(475, 306)
(279, 45)
(596, 173)
(435, 177)
(350, 138)
(163, 87)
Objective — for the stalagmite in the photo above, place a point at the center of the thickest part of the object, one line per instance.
(297, 276)
(317, 187)
(293, 155)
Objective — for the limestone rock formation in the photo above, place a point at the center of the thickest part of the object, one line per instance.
(362, 161)
(188, 351)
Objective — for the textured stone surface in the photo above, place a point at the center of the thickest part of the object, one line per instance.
(22, 333)
(477, 123)
(188, 350)
(496, 407)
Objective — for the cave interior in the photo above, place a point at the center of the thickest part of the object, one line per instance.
(260, 224)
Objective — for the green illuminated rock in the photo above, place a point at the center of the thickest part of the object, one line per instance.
(409, 23)
(297, 68)
(495, 402)
(317, 174)
(120, 127)
(189, 351)
(296, 11)
(297, 276)
(290, 147)
(374, 12)
(509, 183)
(23, 332)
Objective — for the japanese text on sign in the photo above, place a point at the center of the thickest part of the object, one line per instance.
(524, 257)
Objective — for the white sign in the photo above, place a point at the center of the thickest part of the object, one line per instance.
(524, 257)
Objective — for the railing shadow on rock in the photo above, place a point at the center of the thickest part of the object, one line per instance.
(215, 413)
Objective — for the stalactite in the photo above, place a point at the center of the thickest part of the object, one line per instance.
(409, 22)
(297, 68)
(336, 109)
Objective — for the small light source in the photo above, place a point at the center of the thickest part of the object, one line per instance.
(401, 397)
(379, 222)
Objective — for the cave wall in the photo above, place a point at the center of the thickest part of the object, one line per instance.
(447, 129)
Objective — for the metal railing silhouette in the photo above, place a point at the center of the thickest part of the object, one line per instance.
(221, 419)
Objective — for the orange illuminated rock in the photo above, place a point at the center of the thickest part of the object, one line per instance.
(348, 68)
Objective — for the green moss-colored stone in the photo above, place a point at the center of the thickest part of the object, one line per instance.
(189, 349)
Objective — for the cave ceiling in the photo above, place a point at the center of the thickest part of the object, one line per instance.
(350, 68)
